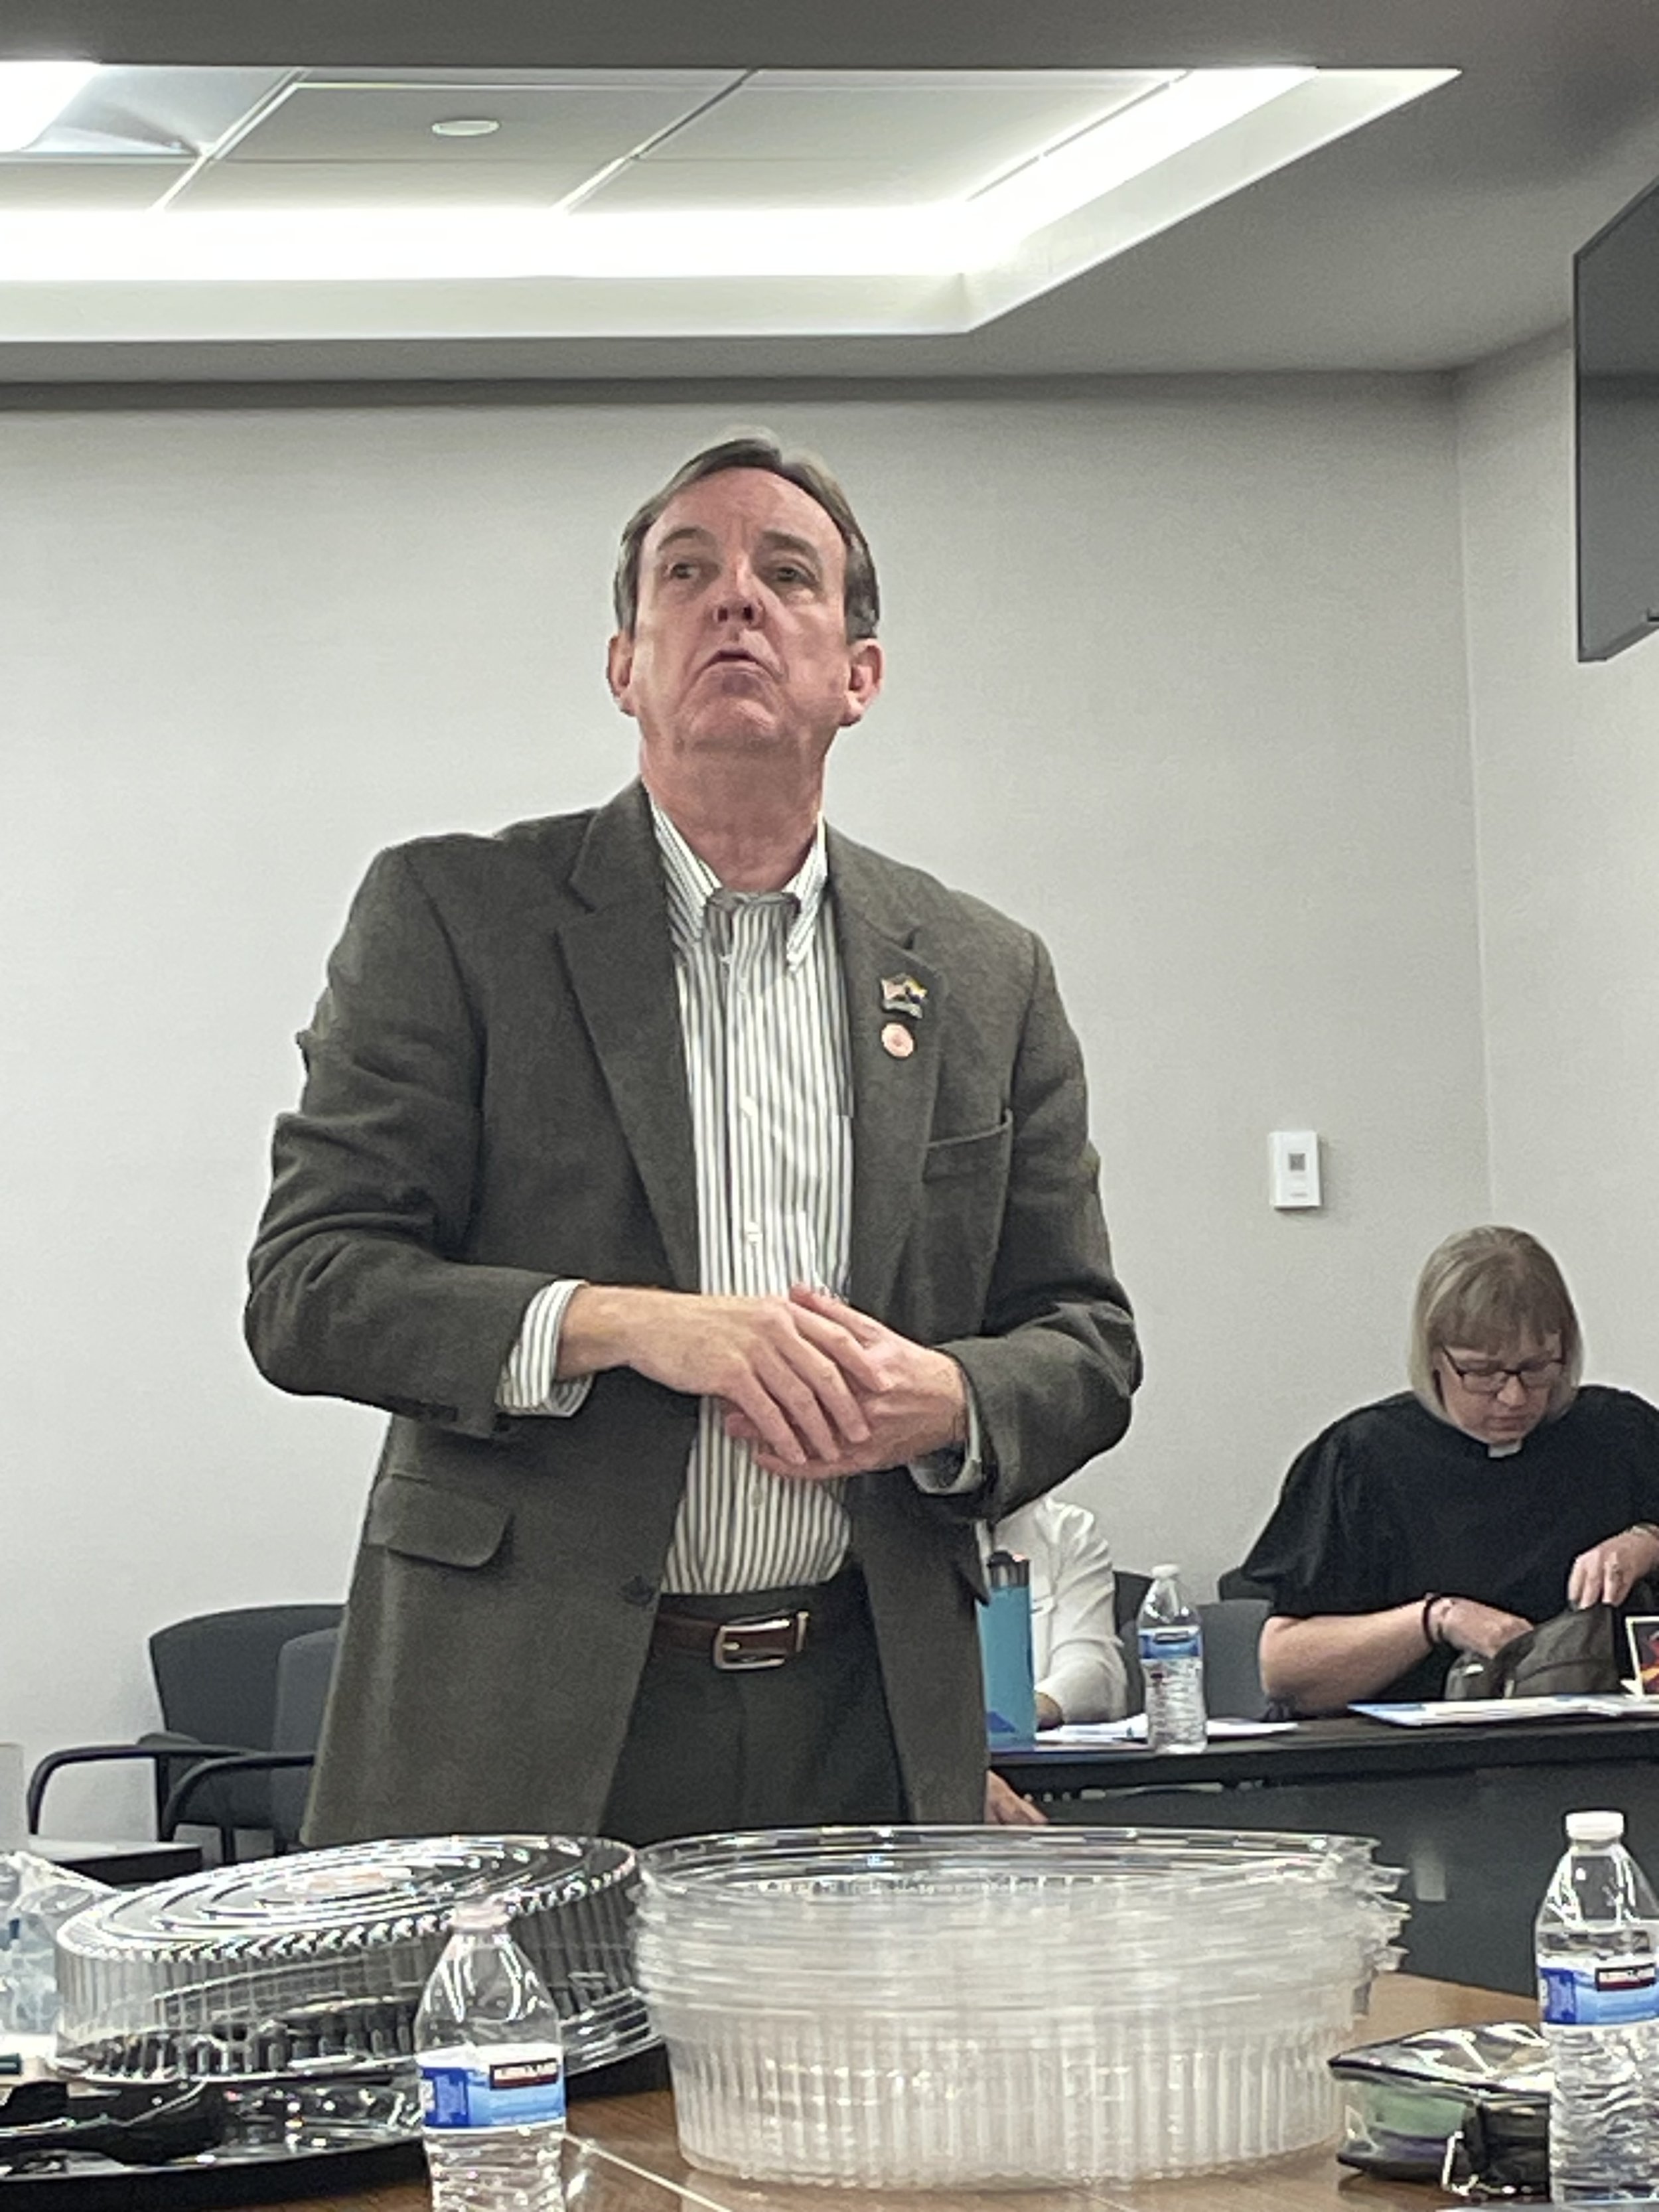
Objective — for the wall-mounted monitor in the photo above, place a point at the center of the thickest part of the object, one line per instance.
(1616, 348)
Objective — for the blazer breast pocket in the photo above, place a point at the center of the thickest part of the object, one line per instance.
(981, 1153)
(423, 1520)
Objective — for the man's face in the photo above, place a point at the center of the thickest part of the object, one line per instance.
(739, 643)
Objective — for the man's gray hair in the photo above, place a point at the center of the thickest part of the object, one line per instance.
(1490, 1289)
(757, 449)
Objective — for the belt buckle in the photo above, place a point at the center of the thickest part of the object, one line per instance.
(732, 1655)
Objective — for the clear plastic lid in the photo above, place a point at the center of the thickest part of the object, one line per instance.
(315, 1963)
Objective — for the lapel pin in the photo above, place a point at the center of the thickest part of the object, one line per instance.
(898, 1041)
(902, 994)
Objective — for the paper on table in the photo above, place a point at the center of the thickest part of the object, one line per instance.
(1454, 1712)
(1080, 1733)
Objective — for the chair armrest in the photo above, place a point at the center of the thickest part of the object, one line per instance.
(175, 1812)
(86, 1755)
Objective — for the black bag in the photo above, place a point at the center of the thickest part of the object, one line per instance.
(1575, 1654)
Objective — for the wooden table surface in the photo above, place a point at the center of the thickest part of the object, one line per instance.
(623, 2157)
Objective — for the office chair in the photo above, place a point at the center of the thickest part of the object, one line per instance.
(304, 1668)
(1233, 1678)
(216, 1677)
(1128, 1595)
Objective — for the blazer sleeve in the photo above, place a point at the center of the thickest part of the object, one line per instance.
(1054, 1367)
(358, 1284)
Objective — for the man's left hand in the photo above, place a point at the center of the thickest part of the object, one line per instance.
(920, 1407)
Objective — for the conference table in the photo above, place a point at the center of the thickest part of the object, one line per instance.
(1473, 1812)
(622, 2156)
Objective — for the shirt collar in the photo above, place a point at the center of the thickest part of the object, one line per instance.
(691, 882)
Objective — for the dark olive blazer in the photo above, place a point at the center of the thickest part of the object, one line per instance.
(495, 1096)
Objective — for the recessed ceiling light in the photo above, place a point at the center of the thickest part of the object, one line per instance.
(34, 95)
(467, 126)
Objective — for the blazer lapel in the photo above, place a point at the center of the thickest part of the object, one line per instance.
(892, 1093)
(622, 969)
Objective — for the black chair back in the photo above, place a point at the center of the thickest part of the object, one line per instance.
(1232, 1675)
(215, 1675)
(304, 1671)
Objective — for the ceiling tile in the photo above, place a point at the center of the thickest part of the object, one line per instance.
(190, 107)
(584, 126)
(273, 186)
(103, 187)
(958, 135)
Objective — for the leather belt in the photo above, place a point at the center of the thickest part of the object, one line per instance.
(770, 1635)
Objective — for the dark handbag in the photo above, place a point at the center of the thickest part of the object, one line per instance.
(1575, 1654)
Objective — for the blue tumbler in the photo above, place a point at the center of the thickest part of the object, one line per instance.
(1005, 1650)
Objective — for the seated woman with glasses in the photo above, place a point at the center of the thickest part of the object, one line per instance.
(1496, 1492)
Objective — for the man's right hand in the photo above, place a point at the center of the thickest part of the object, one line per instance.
(793, 1374)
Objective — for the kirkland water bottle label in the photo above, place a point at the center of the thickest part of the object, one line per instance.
(520, 2092)
(1598, 1993)
(1170, 1644)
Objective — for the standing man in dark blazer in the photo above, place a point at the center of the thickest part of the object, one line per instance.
(710, 1202)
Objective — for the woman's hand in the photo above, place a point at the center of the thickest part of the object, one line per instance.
(1604, 1573)
(1468, 1626)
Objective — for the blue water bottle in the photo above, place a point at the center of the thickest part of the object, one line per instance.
(1005, 1650)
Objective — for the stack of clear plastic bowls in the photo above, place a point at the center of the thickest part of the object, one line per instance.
(313, 1965)
(917, 2007)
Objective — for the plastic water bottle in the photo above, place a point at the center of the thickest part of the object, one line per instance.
(1171, 1640)
(491, 2058)
(1598, 1996)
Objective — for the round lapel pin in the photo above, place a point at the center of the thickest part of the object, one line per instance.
(899, 1040)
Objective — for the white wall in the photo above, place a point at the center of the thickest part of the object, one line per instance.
(1566, 763)
(1178, 675)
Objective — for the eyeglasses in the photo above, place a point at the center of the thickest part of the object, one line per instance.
(1486, 1379)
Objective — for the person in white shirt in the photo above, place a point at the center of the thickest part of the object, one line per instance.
(1075, 1654)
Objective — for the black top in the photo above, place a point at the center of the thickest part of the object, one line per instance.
(1391, 1503)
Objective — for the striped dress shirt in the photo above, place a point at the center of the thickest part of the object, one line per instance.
(764, 1023)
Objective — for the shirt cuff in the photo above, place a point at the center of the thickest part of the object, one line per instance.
(954, 1469)
(527, 1383)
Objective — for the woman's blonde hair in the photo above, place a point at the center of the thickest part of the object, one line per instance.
(1489, 1289)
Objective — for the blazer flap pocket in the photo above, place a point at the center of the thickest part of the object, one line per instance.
(983, 1151)
(429, 1521)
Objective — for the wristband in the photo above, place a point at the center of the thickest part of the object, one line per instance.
(1431, 1635)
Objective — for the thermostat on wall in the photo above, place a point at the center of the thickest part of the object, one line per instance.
(1295, 1157)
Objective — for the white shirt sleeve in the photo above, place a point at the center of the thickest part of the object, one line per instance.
(1079, 1659)
(954, 1468)
(527, 1383)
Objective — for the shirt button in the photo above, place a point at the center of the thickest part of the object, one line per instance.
(749, 1107)
(751, 1231)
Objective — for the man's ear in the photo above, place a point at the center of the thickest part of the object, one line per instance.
(866, 666)
(619, 669)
